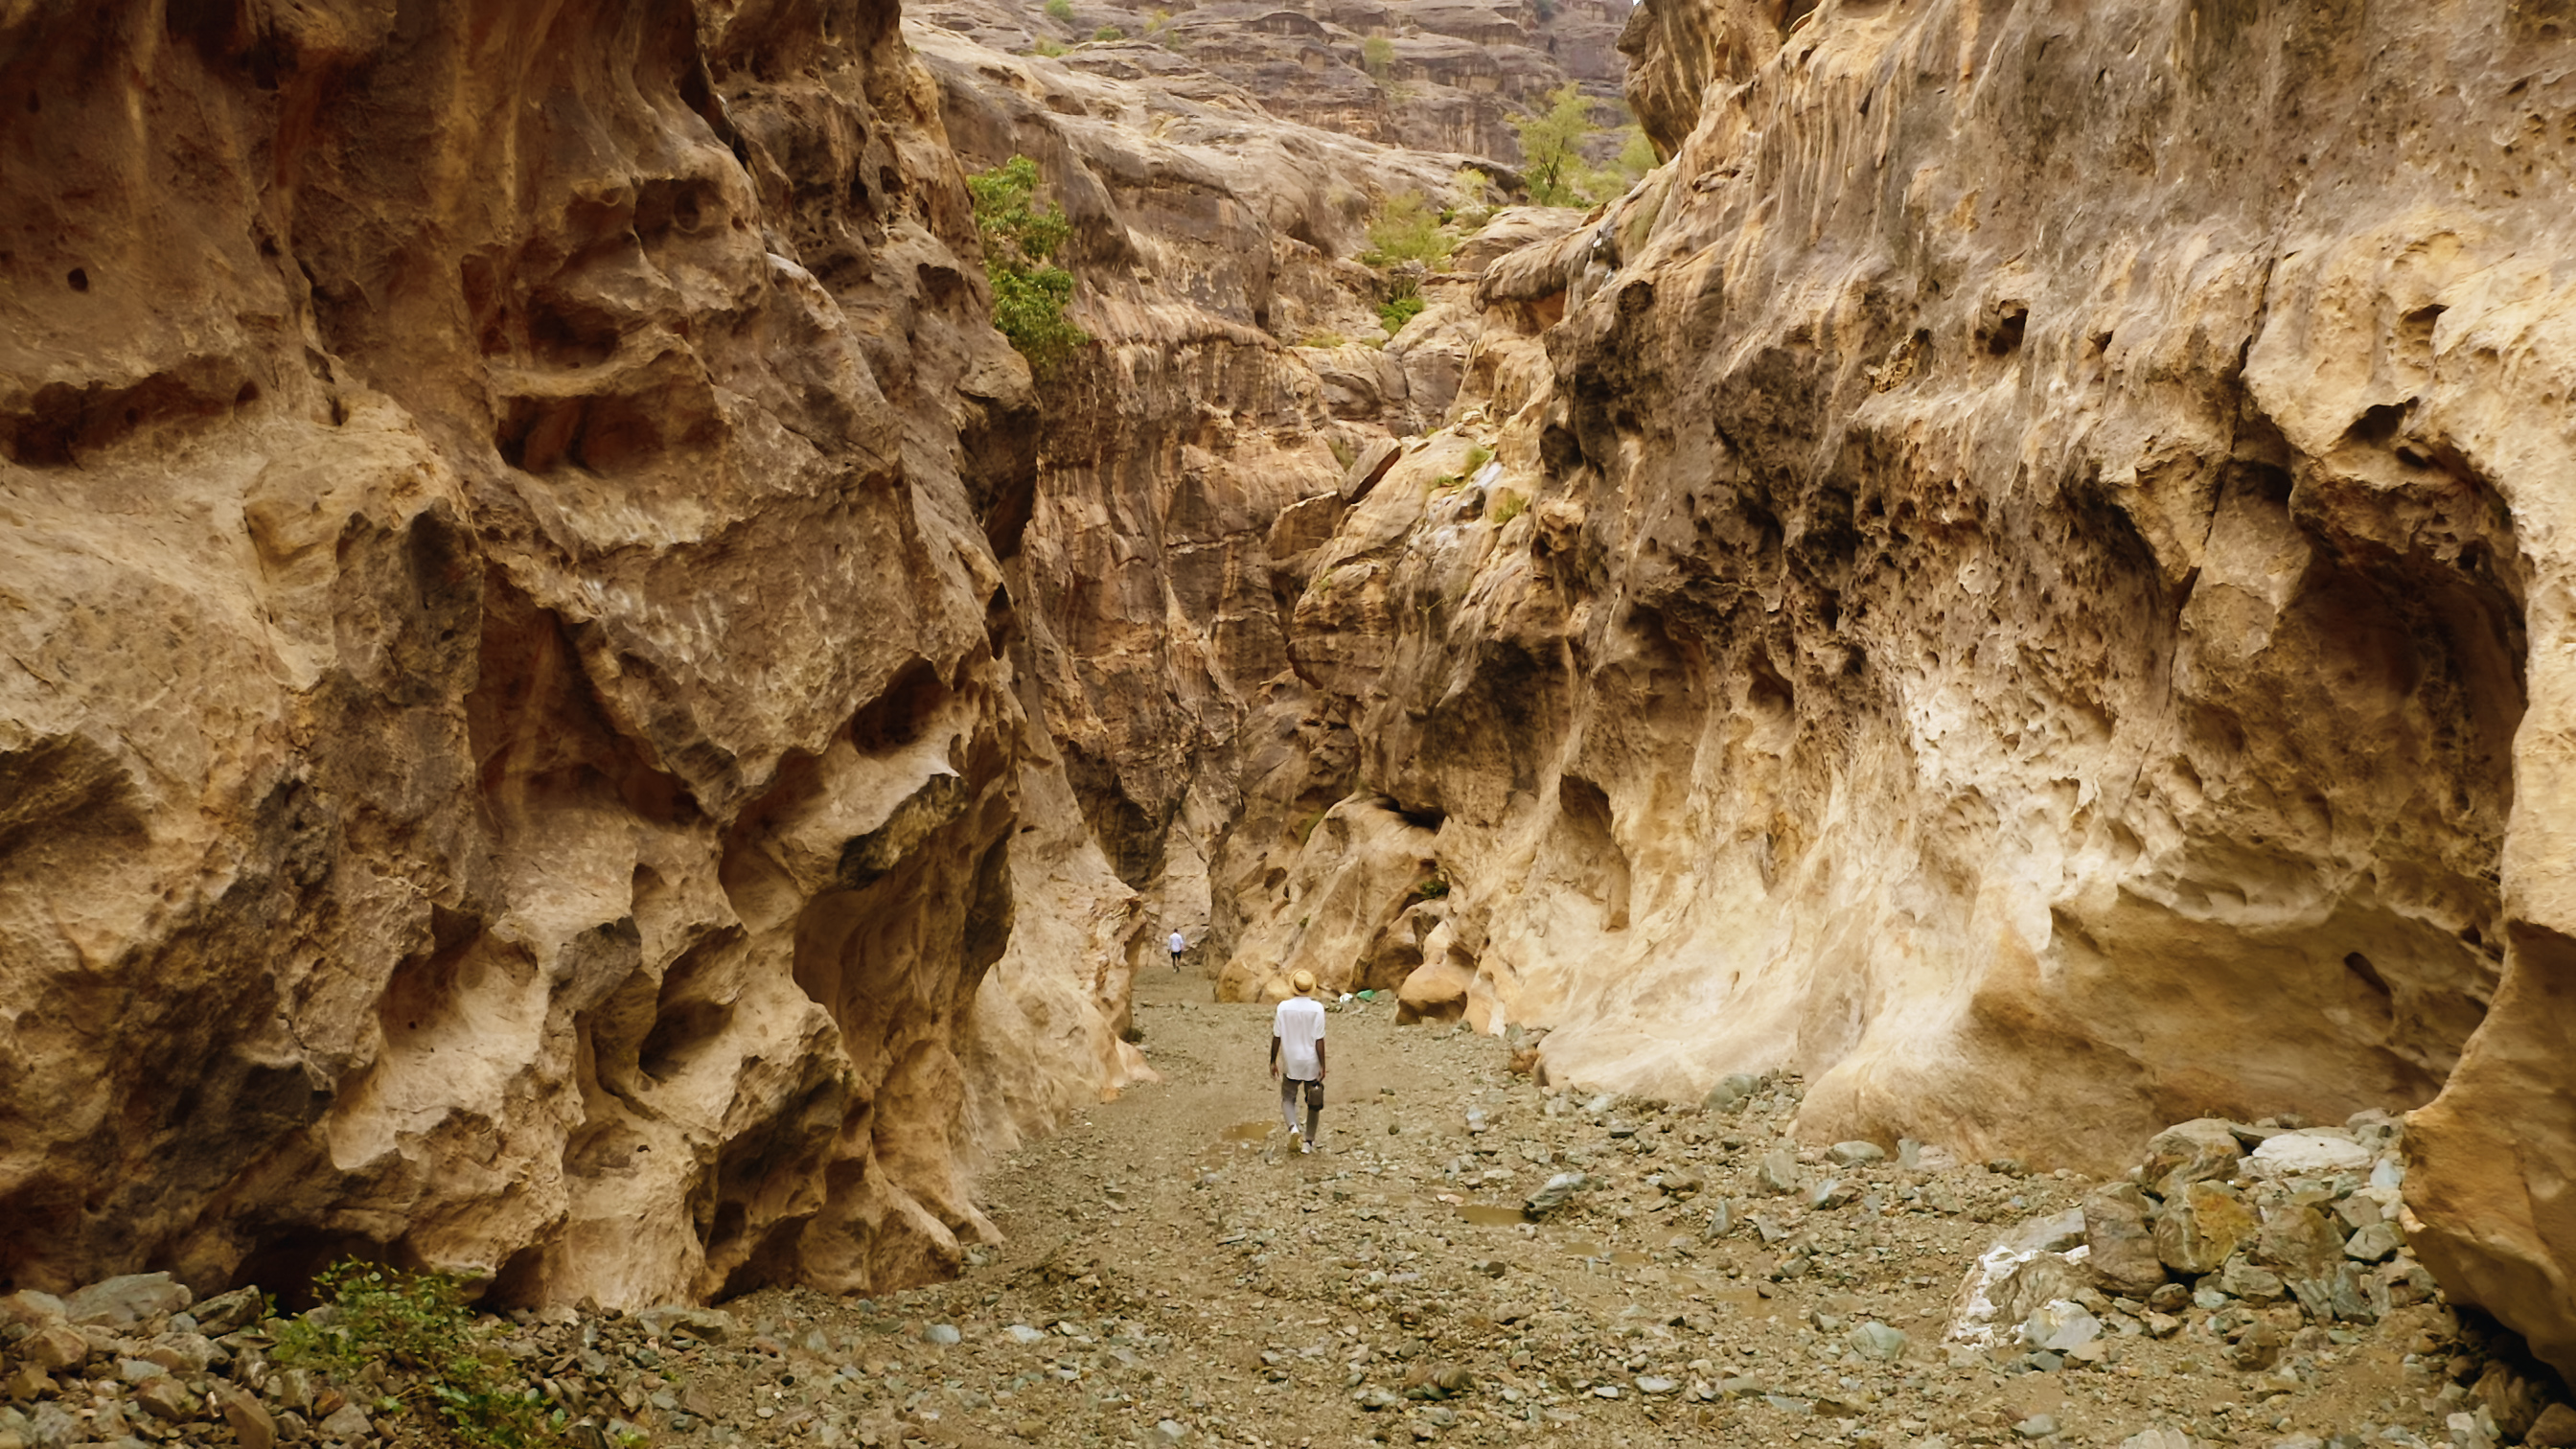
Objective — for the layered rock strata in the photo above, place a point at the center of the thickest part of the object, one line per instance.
(1425, 75)
(2024, 586)
(509, 758)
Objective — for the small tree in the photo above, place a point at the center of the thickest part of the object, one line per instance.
(1552, 147)
(1029, 292)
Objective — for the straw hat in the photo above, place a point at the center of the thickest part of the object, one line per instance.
(1304, 981)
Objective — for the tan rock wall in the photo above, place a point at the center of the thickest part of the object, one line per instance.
(2033, 600)
(508, 753)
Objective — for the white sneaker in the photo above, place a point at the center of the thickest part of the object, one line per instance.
(1302, 1144)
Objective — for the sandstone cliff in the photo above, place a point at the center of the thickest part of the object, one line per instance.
(509, 758)
(1424, 75)
(2020, 576)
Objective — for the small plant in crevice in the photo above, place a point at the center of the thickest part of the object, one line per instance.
(1029, 291)
(1343, 453)
(1430, 889)
(1508, 505)
(1400, 309)
(1046, 47)
(431, 1352)
(1109, 32)
(1477, 457)
(1060, 10)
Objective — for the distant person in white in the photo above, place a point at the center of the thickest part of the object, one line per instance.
(1178, 943)
(1297, 1057)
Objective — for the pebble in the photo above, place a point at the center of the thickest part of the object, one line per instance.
(2037, 1426)
(943, 1334)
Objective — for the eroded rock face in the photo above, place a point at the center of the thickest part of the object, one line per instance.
(508, 755)
(2022, 585)
(1425, 75)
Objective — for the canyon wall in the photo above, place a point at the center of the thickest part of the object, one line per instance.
(2021, 576)
(510, 758)
(1193, 453)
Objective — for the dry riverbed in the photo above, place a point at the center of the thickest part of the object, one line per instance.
(1174, 1275)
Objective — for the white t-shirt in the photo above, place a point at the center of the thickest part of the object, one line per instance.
(1178, 943)
(1299, 1026)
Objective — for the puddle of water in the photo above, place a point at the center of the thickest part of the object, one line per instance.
(1625, 1258)
(1490, 1215)
(1249, 1131)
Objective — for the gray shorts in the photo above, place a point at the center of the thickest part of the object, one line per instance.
(1314, 1093)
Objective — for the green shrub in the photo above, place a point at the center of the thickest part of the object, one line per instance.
(1508, 505)
(1029, 293)
(1431, 889)
(1046, 48)
(1060, 10)
(1343, 452)
(1407, 229)
(1157, 23)
(1109, 32)
(1377, 57)
(419, 1328)
(1322, 339)
(1477, 457)
(1399, 310)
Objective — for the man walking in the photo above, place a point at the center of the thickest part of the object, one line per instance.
(1178, 943)
(1297, 1058)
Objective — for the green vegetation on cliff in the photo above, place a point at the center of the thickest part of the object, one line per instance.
(1029, 291)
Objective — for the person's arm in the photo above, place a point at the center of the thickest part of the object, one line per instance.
(1319, 1059)
(1274, 1048)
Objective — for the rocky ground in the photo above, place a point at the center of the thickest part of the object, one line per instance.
(1173, 1275)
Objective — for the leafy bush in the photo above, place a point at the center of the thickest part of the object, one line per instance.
(1323, 339)
(1407, 229)
(1060, 10)
(1046, 48)
(1029, 293)
(1477, 457)
(1471, 191)
(1508, 505)
(1157, 23)
(420, 1329)
(1377, 57)
(1109, 32)
(1400, 310)
(1343, 452)
(1431, 889)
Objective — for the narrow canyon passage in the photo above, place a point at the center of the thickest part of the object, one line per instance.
(1934, 640)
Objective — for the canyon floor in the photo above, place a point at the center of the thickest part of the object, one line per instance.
(1174, 1275)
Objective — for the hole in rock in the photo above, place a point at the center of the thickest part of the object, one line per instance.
(79, 279)
(2005, 338)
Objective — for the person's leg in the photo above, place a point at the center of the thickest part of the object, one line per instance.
(1314, 1110)
(1288, 1101)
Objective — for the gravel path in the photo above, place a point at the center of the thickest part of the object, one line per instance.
(1174, 1276)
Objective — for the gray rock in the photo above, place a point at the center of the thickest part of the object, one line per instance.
(710, 1324)
(1555, 1193)
(1877, 1341)
(1022, 1333)
(1779, 1172)
(348, 1424)
(1855, 1154)
(1732, 1091)
(166, 1398)
(1651, 1386)
(126, 1301)
(1832, 1193)
(50, 1426)
(1374, 1398)
(2241, 1279)
(1170, 1431)
(2037, 1426)
(2060, 1327)
(228, 1312)
(943, 1334)
(31, 1308)
(2159, 1438)
(2376, 1243)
